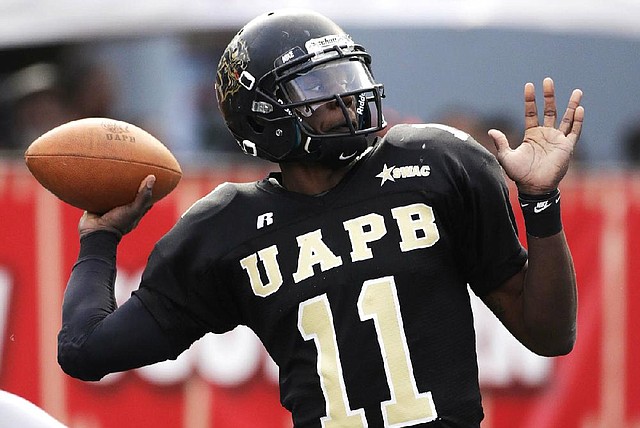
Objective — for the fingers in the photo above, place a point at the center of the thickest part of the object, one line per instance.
(568, 122)
(530, 109)
(576, 128)
(549, 103)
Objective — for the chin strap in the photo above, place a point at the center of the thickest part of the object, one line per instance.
(342, 151)
(332, 152)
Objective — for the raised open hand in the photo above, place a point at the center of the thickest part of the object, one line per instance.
(542, 160)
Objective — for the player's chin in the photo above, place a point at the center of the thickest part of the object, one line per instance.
(342, 129)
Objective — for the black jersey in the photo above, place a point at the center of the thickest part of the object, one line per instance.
(359, 294)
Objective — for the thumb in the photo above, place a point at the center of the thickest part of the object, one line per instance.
(499, 140)
(143, 201)
(130, 215)
(145, 193)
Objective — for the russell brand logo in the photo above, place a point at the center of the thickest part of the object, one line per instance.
(393, 173)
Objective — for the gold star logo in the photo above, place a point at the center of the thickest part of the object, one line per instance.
(386, 174)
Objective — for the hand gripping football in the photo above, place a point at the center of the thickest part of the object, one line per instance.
(96, 164)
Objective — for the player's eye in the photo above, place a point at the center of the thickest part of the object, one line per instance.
(312, 86)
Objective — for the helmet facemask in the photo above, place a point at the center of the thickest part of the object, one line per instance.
(338, 74)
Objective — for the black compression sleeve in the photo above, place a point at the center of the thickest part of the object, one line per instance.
(96, 339)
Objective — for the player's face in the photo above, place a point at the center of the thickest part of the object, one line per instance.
(325, 82)
(329, 117)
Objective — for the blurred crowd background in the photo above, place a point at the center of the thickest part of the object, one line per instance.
(163, 84)
(470, 78)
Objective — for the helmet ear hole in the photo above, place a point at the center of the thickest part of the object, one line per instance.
(253, 123)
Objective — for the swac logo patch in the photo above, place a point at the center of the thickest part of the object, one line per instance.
(393, 173)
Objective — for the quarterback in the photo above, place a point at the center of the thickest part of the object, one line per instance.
(352, 262)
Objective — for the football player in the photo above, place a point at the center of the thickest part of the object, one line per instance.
(351, 263)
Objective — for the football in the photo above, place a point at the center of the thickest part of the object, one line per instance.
(96, 164)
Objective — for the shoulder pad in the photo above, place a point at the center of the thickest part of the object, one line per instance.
(217, 199)
(409, 134)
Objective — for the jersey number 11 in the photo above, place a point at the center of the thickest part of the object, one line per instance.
(378, 301)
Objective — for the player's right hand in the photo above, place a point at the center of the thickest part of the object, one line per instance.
(120, 220)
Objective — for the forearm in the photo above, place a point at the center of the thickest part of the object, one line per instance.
(88, 298)
(549, 296)
(539, 304)
(95, 338)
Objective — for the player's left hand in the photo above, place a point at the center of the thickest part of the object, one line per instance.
(542, 160)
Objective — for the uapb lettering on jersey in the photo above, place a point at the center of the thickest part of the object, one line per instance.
(415, 222)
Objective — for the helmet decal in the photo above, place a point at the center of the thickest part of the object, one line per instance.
(317, 46)
(289, 55)
(231, 69)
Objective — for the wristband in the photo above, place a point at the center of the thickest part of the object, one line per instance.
(541, 213)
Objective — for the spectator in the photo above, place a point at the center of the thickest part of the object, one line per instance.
(90, 91)
(34, 102)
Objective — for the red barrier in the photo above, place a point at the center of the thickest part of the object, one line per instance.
(229, 381)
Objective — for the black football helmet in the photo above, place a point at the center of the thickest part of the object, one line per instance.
(278, 69)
